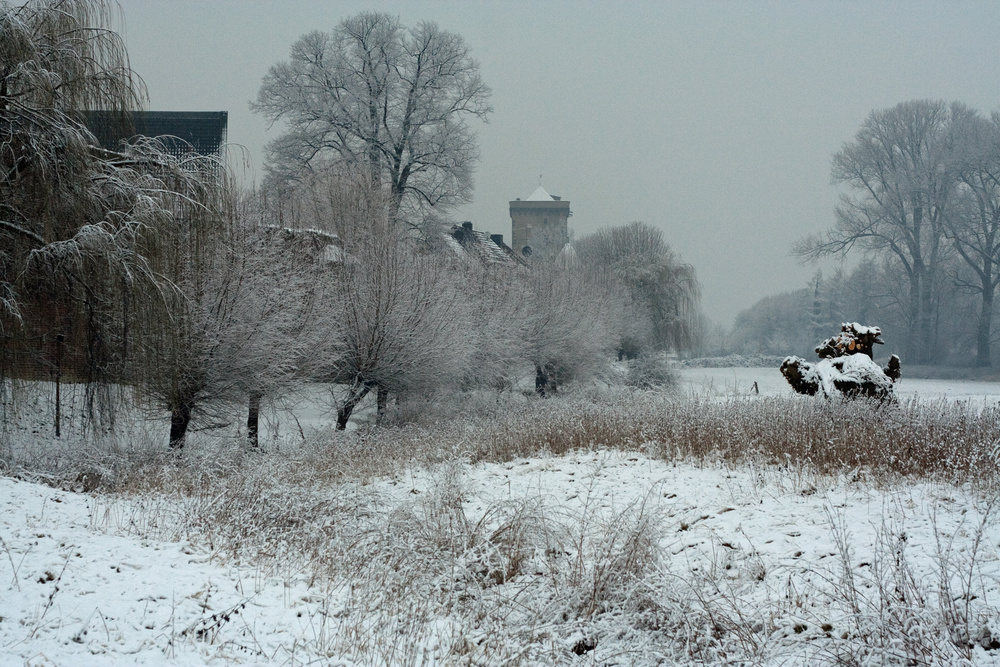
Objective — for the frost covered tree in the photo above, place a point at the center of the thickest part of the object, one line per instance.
(77, 223)
(401, 320)
(398, 318)
(499, 317)
(777, 324)
(239, 318)
(662, 292)
(392, 101)
(336, 200)
(897, 169)
(972, 223)
(55, 187)
(568, 322)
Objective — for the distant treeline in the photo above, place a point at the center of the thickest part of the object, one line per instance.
(921, 210)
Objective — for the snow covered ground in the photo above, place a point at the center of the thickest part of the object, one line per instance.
(80, 588)
(604, 558)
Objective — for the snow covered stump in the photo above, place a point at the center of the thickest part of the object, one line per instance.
(846, 366)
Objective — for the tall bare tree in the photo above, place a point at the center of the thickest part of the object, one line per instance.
(973, 221)
(897, 167)
(377, 96)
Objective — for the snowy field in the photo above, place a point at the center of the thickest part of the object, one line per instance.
(593, 558)
(726, 382)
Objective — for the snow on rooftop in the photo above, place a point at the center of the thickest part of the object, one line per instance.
(540, 195)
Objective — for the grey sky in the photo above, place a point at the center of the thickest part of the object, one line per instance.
(714, 121)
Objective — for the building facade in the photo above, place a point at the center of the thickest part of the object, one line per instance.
(539, 225)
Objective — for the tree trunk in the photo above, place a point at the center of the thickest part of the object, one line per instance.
(912, 344)
(928, 343)
(541, 379)
(253, 419)
(180, 418)
(983, 331)
(383, 402)
(59, 341)
(358, 392)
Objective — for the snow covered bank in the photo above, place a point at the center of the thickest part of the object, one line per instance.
(79, 585)
(691, 529)
(589, 558)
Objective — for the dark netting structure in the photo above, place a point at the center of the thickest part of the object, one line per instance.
(54, 340)
(204, 132)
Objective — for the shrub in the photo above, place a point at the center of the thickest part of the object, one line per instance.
(650, 372)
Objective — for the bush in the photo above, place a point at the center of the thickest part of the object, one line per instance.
(650, 372)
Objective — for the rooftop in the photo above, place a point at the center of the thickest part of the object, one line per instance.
(540, 195)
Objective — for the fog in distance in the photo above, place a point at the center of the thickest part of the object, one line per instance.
(714, 121)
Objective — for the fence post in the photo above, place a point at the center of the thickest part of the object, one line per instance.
(59, 341)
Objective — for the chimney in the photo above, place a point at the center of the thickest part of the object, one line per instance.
(468, 225)
(497, 238)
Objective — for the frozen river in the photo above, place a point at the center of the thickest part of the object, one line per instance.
(770, 382)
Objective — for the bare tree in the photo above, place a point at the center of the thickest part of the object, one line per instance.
(402, 320)
(897, 168)
(973, 221)
(336, 199)
(568, 320)
(239, 317)
(391, 101)
(499, 316)
(398, 319)
(662, 292)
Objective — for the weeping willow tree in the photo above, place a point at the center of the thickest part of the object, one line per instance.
(84, 232)
(240, 322)
(663, 293)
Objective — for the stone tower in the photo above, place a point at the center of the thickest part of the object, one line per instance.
(539, 225)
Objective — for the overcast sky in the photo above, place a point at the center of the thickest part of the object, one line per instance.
(713, 121)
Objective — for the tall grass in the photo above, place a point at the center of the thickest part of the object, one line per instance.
(526, 580)
(945, 440)
(948, 441)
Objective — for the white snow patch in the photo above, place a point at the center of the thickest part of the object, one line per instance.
(77, 586)
(856, 369)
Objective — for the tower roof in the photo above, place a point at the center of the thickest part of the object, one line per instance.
(540, 195)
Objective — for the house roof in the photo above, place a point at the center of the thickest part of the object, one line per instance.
(540, 195)
(463, 240)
